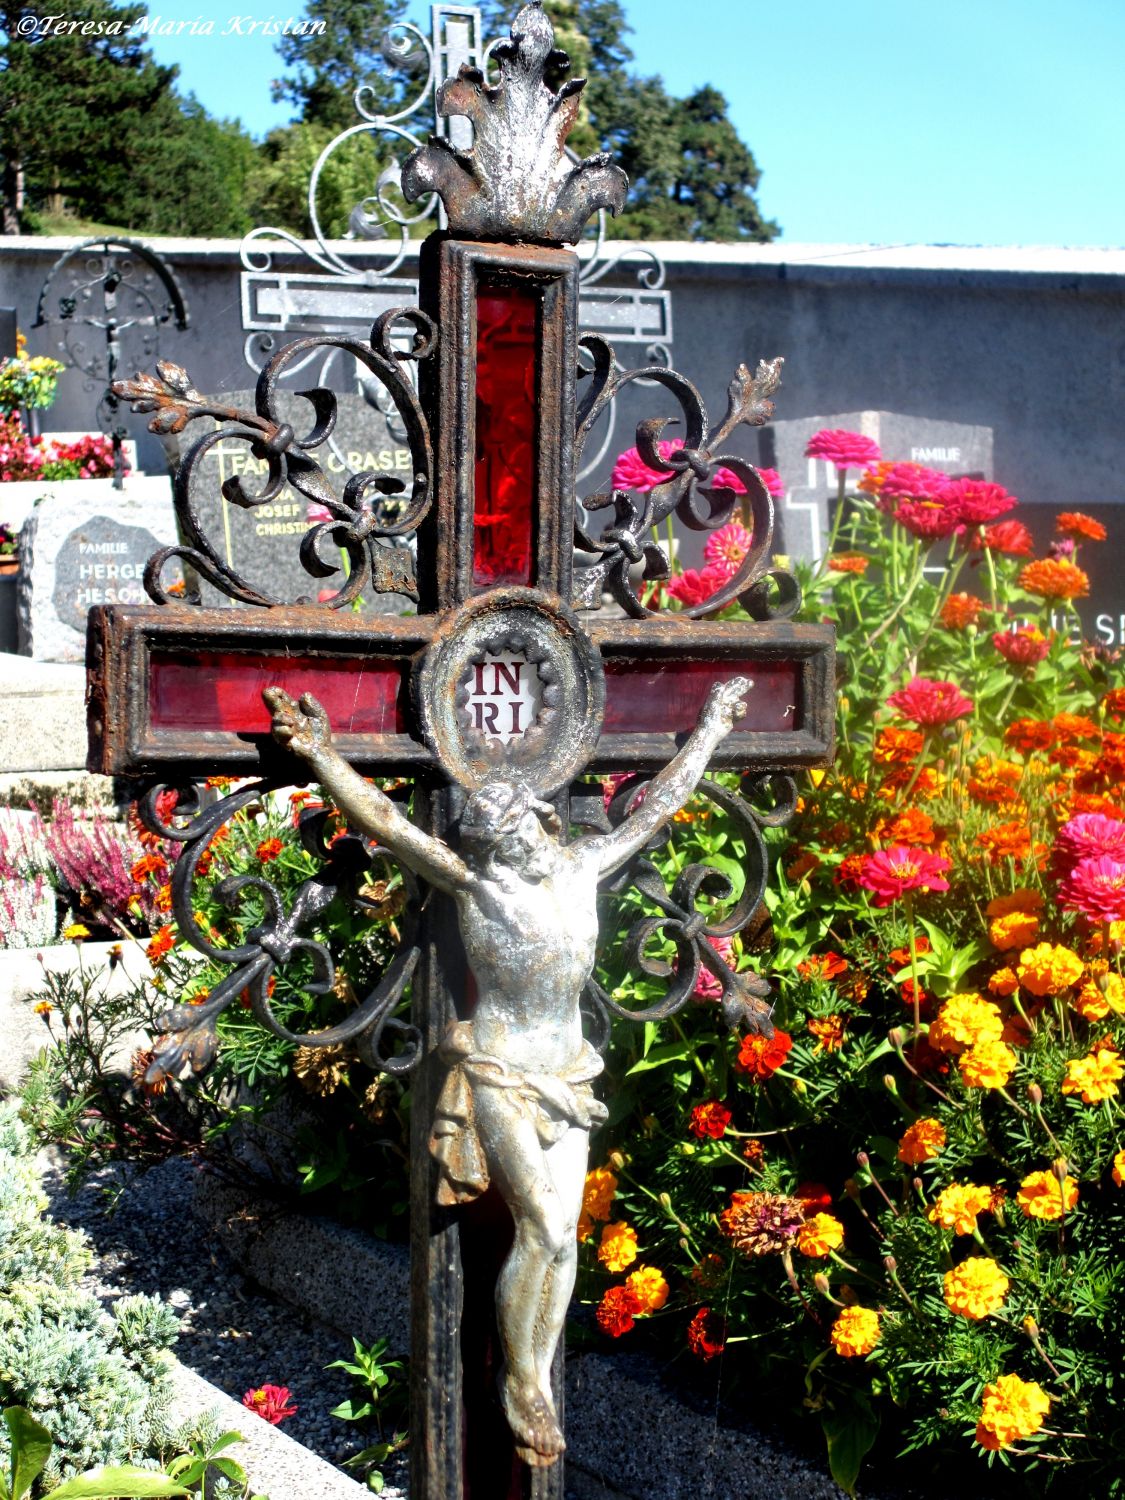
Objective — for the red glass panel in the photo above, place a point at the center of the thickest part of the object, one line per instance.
(215, 690)
(665, 697)
(504, 508)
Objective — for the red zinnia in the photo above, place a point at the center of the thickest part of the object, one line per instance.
(693, 587)
(706, 1334)
(761, 1056)
(977, 501)
(930, 703)
(1011, 538)
(1096, 888)
(847, 450)
(889, 873)
(272, 1402)
(709, 1119)
(1022, 647)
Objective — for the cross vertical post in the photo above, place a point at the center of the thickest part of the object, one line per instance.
(495, 699)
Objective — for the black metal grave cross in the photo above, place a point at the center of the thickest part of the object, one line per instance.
(495, 670)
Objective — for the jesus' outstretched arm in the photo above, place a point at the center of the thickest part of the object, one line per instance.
(671, 788)
(303, 727)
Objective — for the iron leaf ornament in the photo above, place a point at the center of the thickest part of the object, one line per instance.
(518, 181)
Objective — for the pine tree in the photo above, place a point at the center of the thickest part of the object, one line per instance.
(327, 68)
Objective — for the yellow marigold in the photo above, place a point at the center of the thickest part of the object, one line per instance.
(1094, 1077)
(1100, 994)
(1020, 900)
(585, 1228)
(598, 1194)
(1003, 982)
(1119, 1168)
(76, 931)
(1042, 1196)
(964, 1021)
(44, 1008)
(1015, 930)
(649, 1288)
(958, 1205)
(618, 1246)
(921, 1142)
(1048, 969)
(819, 1235)
(1011, 1409)
(975, 1288)
(988, 1065)
(829, 1033)
(855, 1332)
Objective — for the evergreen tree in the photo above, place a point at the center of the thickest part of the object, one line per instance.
(327, 68)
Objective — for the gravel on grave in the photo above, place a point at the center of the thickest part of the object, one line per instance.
(148, 1239)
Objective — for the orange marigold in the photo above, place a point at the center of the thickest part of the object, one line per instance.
(849, 562)
(1006, 841)
(1003, 982)
(921, 1141)
(995, 781)
(269, 849)
(961, 610)
(1054, 578)
(820, 1235)
(1030, 734)
(618, 1246)
(1083, 528)
(1114, 702)
(1074, 727)
(1019, 900)
(1119, 1168)
(1043, 1196)
(1048, 969)
(1011, 1409)
(975, 1288)
(958, 1206)
(897, 747)
(855, 1332)
(649, 1289)
(1095, 1077)
(966, 1020)
(162, 943)
(987, 1065)
(829, 1033)
(911, 826)
(1101, 993)
(1018, 929)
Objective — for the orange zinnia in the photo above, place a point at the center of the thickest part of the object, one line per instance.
(961, 610)
(1076, 524)
(1054, 578)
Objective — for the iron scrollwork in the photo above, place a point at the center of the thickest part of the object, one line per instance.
(358, 524)
(189, 1032)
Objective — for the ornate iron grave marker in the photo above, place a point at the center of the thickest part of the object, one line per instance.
(494, 698)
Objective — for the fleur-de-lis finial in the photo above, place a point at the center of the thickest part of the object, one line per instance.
(517, 181)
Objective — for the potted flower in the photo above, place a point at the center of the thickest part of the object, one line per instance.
(28, 382)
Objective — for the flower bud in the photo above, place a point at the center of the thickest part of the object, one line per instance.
(666, 1201)
(890, 1265)
(1059, 1168)
(863, 1158)
(687, 1148)
(820, 1281)
(1035, 1094)
(890, 1083)
(1031, 1328)
(616, 1160)
(897, 1038)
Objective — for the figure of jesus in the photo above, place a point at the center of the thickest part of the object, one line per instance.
(517, 1105)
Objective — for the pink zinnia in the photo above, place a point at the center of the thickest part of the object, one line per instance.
(726, 548)
(909, 482)
(693, 587)
(273, 1403)
(630, 472)
(315, 513)
(925, 519)
(1023, 647)
(847, 450)
(1089, 836)
(890, 873)
(977, 501)
(929, 703)
(1096, 888)
(773, 482)
(707, 985)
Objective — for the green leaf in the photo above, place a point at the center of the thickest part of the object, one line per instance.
(117, 1482)
(352, 1411)
(667, 1052)
(31, 1445)
(375, 1481)
(850, 1435)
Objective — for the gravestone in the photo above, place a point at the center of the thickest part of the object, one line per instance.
(811, 484)
(1100, 617)
(78, 550)
(264, 542)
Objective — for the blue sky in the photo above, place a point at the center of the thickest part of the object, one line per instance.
(882, 121)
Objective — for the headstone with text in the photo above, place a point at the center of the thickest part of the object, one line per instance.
(811, 484)
(78, 550)
(263, 542)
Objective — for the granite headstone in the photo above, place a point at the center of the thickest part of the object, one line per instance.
(78, 550)
(1100, 617)
(811, 484)
(263, 543)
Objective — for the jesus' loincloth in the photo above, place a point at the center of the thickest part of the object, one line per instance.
(555, 1102)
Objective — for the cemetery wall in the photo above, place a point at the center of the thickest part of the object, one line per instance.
(1028, 342)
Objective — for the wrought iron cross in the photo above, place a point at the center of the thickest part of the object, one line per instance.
(494, 699)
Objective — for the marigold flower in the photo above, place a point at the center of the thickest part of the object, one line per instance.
(921, 1142)
(1101, 993)
(1006, 841)
(43, 1008)
(849, 562)
(847, 450)
(1023, 647)
(855, 1332)
(269, 849)
(975, 1288)
(958, 1206)
(762, 1223)
(1010, 1410)
(148, 864)
(930, 702)
(1042, 1196)
(1119, 1168)
(912, 826)
(1048, 969)
(76, 932)
(1079, 526)
(987, 1065)
(599, 1193)
(616, 1311)
(618, 1246)
(995, 781)
(964, 1021)
(1095, 1077)
(961, 610)
(820, 1235)
(320, 1070)
(709, 1119)
(273, 1403)
(161, 944)
(649, 1289)
(897, 747)
(1028, 735)
(1023, 899)
(822, 966)
(829, 1032)
(706, 1335)
(1016, 930)
(761, 1056)
(890, 873)
(1003, 982)
(1114, 702)
(1054, 578)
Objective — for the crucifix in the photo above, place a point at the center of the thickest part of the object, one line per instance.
(496, 698)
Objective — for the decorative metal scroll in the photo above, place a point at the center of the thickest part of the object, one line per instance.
(121, 287)
(190, 1034)
(358, 524)
(692, 929)
(692, 492)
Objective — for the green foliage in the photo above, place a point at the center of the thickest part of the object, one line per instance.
(381, 1395)
(325, 69)
(279, 194)
(30, 1446)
